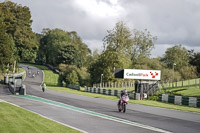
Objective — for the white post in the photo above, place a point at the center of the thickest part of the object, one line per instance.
(101, 80)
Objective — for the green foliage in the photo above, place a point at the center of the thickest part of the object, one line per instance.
(18, 22)
(82, 74)
(188, 72)
(72, 78)
(118, 39)
(154, 98)
(58, 46)
(105, 64)
(121, 50)
(6, 47)
(149, 64)
(195, 60)
(68, 55)
(142, 44)
(178, 55)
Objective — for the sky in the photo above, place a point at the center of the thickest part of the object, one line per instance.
(173, 22)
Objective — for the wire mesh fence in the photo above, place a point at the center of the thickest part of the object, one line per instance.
(183, 83)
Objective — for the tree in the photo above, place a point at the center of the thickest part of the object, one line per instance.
(168, 75)
(176, 55)
(195, 60)
(188, 72)
(105, 64)
(142, 44)
(134, 46)
(60, 46)
(7, 49)
(68, 55)
(18, 25)
(118, 39)
(72, 78)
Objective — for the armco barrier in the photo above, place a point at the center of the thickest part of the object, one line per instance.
(160, 97)
(180, 100)
(73, 86)
(198, 102)
(193, 101)
(171, 99)
(17, 91)
(110, 92)
(185, 100)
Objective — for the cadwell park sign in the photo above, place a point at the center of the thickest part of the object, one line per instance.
(138, 74)
(144, 86)
(142, 74)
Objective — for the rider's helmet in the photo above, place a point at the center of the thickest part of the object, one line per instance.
(125, 91)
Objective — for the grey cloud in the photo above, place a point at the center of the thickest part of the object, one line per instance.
(172, 21)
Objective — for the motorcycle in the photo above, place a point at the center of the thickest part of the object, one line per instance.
(123, 103)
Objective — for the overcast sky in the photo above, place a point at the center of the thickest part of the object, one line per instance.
(172, 21)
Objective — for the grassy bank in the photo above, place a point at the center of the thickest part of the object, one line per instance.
(190, 91)
(18, 120)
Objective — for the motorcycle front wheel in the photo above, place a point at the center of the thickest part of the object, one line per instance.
(124, 107)
(119, 108)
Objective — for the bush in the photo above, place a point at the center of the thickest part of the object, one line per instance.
(154, 98)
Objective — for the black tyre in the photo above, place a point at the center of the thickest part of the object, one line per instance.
(124, 107)
(119, 108)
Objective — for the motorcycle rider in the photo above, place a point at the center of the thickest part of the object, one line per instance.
(124, 93)
(43, 87)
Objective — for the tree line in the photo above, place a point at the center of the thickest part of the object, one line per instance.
(65, 50)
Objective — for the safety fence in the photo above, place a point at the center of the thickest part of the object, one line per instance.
(135, 96)
(184, 83)
(180, 100)
(122, 84)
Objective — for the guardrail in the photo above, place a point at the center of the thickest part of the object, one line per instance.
(180, 100)
(76, 87)
(135, 96)
(17, 90)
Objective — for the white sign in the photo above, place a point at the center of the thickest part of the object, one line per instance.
(142, 74)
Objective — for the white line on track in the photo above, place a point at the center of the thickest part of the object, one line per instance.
(46, 117)
(81, 110)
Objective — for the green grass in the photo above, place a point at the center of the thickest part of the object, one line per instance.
(17, 120)
(50, 78)
(190, 91)
(190, 88)
(143, 102)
